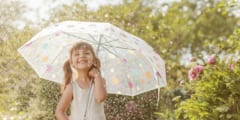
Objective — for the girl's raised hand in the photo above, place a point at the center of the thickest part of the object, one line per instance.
(94, 72)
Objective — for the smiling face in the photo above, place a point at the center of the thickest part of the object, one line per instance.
(83, 56)
(82, 59)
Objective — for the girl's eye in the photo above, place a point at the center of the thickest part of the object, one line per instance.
(87, 53)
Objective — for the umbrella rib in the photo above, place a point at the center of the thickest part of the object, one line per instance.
(115, 46)
(80, 37)
(118, 47)
(114, 40)
(110, 52)
(54, 59)
(93, 38)
(99, 44)
(102, 44)
(111, 41)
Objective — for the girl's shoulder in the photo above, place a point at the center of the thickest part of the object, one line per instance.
(68, 92)
(69, 88)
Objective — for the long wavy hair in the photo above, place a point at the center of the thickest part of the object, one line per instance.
(67, 65)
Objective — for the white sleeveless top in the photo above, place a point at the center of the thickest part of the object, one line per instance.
(95, 111)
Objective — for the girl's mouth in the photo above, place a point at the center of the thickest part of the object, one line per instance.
(82, 61)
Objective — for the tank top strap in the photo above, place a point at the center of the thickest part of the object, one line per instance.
(75, 84)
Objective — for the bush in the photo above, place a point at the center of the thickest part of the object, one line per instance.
(214, 95)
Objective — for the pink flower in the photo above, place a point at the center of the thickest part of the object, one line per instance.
(198, 69)
(232, 66)
(193, 73)
(211, 60)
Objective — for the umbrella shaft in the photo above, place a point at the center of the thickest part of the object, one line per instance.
(99, 44)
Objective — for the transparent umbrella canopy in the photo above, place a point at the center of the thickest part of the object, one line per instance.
(129, 65)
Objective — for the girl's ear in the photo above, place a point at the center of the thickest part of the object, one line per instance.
(92, 67)
(70, 61)
(98, 63)
(95, 62)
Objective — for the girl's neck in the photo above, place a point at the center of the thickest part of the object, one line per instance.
(82, 76)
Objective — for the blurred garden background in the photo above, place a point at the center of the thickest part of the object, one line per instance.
(198, 39)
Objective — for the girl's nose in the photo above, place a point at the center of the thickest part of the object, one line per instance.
(82, 56)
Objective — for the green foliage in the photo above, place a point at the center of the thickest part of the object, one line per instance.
(215, 95)
(48, 94)
(184, 27)
(16, 77)
(140, 107)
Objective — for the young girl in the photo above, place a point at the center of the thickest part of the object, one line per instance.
(85, 92)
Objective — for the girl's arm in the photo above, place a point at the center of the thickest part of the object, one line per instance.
(64, 103)
(100, 91)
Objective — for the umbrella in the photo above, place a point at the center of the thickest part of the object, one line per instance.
(129, 65)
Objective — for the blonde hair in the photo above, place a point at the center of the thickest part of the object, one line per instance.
(67, 65)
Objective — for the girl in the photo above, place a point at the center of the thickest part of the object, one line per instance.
(87, 91)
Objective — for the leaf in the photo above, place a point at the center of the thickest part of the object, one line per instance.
(177, 98)
(223, 108)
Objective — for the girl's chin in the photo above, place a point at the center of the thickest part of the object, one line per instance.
(82, 67)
